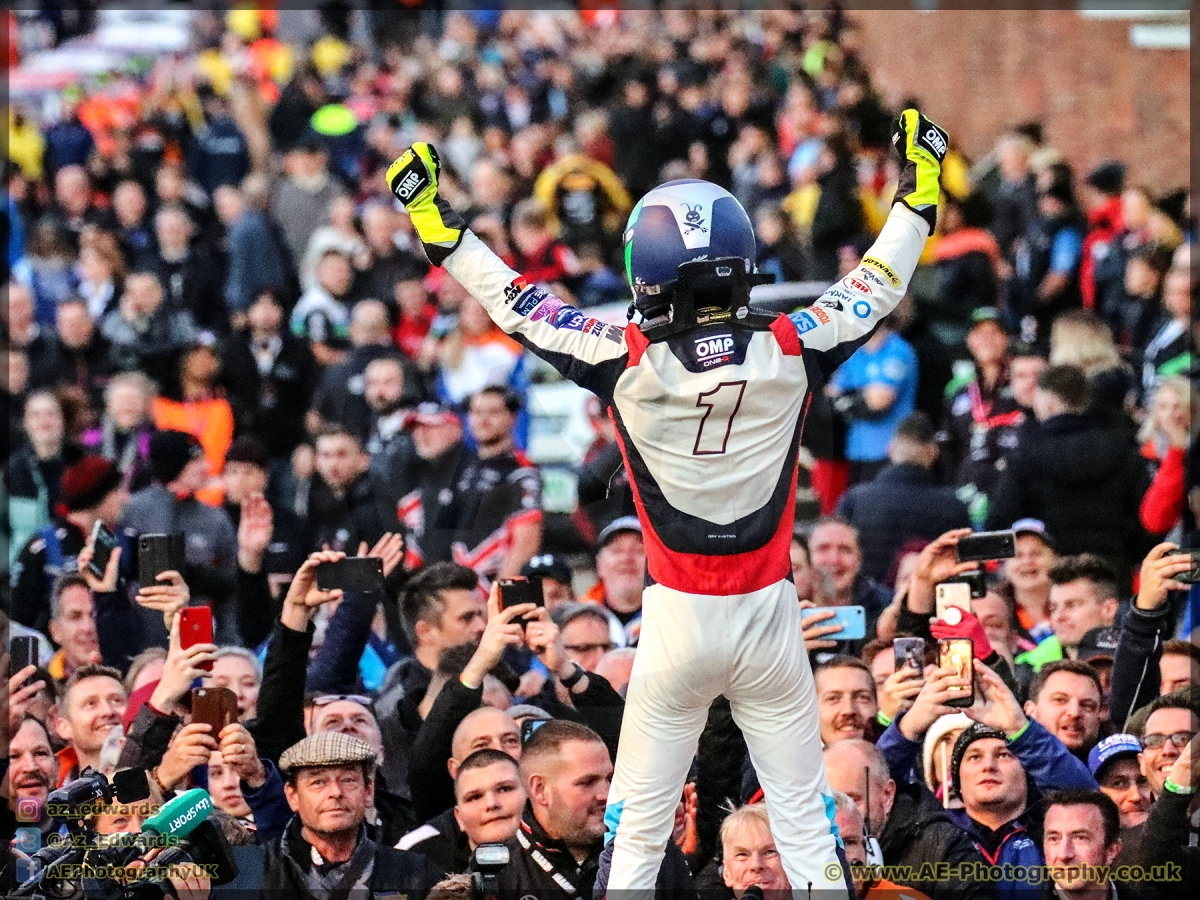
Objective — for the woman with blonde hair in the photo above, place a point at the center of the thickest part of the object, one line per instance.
(1081, 338)
(1170, 418)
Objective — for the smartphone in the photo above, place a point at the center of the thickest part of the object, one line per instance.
(528, 727)
(952, 593)
(158, 553)
(977, 580)
(987, 545)
(853, 620)
(1192, 575)
(215, 706)
(909, 651)
(103, 544)
(514, 591)
(22, 652)
(354, 573)
(959, 654)
(131, 785)
(196, 627)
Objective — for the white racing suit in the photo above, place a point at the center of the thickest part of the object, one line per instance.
(709, 424)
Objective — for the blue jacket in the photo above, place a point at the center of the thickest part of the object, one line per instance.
(269, 804)
(1048, 766)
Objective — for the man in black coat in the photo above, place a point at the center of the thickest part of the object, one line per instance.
(1085, 481)
(269, 377)
(903, 501)
(325, 851)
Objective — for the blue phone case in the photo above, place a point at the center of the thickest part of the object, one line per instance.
(852, 619)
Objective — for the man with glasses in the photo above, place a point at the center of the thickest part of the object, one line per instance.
(586, 633)
(1172, 722)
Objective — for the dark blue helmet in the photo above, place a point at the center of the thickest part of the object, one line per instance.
(682, 222)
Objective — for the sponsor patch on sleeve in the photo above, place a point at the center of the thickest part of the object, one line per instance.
(804, 322)
(872, 263)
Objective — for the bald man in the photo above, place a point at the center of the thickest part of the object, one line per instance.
(442, 838)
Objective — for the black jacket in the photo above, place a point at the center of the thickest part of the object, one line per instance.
(523, 875)
(442, 842)
(919, 831)
(394, 872)
(902, 502)
(1136, 678)
(1162, 841)
(271, 407)
(1083, 481)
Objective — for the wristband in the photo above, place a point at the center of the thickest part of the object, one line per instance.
(574, 678)
(1179, 788)
(1024, 728)
(162, 789)
(883, 719)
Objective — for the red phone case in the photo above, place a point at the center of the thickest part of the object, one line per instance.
(196, 627)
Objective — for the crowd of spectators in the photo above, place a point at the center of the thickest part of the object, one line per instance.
(219, 324)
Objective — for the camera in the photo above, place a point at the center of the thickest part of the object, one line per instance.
(489, 860)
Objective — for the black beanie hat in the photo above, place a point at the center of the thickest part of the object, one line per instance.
(170, 452)
(977, 731)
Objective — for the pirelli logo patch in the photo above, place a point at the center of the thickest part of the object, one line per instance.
(880, 266)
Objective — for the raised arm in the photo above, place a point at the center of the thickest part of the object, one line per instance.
(847, 314)
(582, 348)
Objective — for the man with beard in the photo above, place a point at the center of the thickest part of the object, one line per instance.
(32, 767)
(388, 442)
(1066, 697)
(846, 699)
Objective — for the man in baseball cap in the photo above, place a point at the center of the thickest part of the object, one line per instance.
(556, 578)
(621, 570)
(326, 850)
(1114, 764)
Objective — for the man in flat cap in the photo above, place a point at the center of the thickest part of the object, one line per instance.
(325, 851)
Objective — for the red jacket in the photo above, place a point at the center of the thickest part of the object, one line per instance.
(1104, 224)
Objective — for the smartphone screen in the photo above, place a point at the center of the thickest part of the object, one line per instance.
(103, 544)
(909, 651)
(196, 627)
(959, 654)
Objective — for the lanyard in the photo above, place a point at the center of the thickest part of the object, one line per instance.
(545, 864)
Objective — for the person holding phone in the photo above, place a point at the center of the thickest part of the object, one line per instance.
(91, 492)
(706, 392)
(989, 763)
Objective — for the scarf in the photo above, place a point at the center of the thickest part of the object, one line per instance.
(335, 881)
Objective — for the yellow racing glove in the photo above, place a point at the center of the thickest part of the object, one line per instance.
(922, 146)
(413, 178)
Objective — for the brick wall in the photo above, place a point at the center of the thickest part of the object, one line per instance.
(978, 72)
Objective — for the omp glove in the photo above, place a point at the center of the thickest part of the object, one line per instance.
(413, 178)
(922, 146)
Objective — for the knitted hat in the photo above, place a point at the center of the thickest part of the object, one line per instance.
(943, 726)
(977, 731)
(170, 452)
(86, 483)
